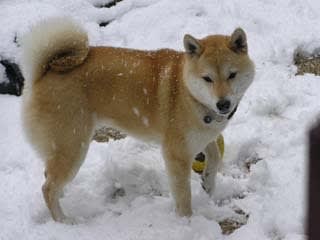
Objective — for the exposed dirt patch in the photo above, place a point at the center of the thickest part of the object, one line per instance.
(307, 64)
(15, 77)
(104, 24)
(229, 225)
(109, 4)
(104, 134)
(252, 161)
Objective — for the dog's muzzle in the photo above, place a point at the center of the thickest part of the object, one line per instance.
(214, 116)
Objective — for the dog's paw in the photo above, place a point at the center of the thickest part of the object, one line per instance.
(69, 221)
(66, 220)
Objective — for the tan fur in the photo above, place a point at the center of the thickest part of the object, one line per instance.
(143, 93)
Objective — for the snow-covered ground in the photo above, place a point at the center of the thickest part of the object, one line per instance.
(269, 128)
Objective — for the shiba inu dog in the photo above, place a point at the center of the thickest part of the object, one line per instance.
(182, 100)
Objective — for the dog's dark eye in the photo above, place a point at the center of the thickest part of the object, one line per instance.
(207, 79)
(232, 75)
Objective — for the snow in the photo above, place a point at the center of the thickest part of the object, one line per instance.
(121, 192)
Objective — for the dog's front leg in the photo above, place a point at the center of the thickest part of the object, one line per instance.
(178, 165)
(214, 157)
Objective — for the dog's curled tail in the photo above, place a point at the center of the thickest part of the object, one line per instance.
(58, 44)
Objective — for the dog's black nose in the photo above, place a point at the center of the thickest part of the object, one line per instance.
(223, 105)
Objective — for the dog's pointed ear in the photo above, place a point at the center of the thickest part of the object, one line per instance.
(238, 41)
(192, 45)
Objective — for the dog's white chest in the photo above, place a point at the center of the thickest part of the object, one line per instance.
(198, 139)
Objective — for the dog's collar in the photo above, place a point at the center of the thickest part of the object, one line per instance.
(212, 115)
(232, 113)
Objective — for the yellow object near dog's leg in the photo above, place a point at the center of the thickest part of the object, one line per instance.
(220, 142)
(199, 163)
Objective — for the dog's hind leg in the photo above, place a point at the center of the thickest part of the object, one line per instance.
(61, 167)
(59, 171)
(51, 192)
(64, 147)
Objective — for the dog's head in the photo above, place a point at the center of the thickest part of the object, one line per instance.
(218, 69)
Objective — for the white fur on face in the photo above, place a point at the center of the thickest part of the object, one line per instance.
(202, 91)
(240, 85)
